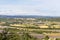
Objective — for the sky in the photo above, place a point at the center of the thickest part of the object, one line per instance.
(30, 7)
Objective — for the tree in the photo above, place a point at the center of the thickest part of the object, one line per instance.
(9, 36)
(46, 38)
(1, 36)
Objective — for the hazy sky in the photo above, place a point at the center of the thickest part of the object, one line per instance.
(30, 7)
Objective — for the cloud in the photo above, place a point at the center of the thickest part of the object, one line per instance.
(26, 10)
(32, 7)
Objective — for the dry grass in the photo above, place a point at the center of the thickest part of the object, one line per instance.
(53, 34)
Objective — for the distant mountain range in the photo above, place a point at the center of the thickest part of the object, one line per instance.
(25, 16)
